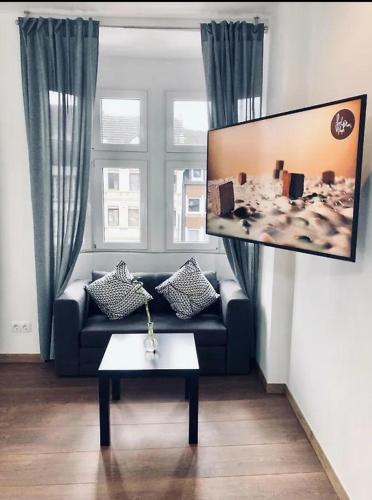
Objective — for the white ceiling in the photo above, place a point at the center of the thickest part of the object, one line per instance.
(149, 44)
(183, 10)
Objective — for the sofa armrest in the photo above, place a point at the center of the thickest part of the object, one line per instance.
(69, 315)
(236, 317)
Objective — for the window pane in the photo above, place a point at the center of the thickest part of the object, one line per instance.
(113, 180)
(133, 217)
(188, 207)
(120, 121)
(192, 235)
(134, 181)
(193, 204)
(190, 123)
(122, 206)
(113, 216)
(248, 109)
(196, 174)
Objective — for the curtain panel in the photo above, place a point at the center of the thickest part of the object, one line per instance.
(59, 72)
(233, 67)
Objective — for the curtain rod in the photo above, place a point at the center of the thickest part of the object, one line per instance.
(180, 28)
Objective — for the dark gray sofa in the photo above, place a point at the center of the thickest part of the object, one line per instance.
(223, 334)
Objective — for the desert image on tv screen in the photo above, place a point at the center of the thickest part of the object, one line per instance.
(288, 180)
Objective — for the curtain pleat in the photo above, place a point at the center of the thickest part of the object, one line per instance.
(59, 73)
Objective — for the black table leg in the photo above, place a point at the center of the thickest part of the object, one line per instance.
(186, 388)
(193, 385)
(104, 409)
(115, 388)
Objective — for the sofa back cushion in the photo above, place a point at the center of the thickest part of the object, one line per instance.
(159, 303)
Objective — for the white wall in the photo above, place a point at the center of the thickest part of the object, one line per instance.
(275, 292)
(265, 305)
(156, 76)
(17, 265)
(323, 52)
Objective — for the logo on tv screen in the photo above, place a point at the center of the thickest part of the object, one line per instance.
(342, 124)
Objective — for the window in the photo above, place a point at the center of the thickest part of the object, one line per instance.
(120, 121)
(194, 205)
(61, 103)
(193, 235)
(187, 122)
(112, 216)
(176, 120)
(196, 174)
(133, 217)
(187, 127)
(186, 213)
(125, 225)
(134, 181)
(248, 109)
(113, 180)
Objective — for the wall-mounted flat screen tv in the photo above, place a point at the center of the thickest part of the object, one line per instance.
(290, 180)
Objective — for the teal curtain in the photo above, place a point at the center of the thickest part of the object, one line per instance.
(233, 67)
(59, 73)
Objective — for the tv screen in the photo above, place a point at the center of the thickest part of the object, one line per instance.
(290, 180)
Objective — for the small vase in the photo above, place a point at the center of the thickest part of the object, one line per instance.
(150, 341)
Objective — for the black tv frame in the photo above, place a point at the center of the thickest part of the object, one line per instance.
(358, 174)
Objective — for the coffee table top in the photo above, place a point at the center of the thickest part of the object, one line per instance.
(126, 353)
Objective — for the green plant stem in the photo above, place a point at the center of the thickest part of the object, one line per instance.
(148, 312)
(140, 289)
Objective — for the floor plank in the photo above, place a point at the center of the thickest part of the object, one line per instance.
(219, 461)
(86, 438)
(251, 445)
(44, 386)
(276, 487)
(124, 412)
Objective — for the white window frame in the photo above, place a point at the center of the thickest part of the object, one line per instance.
(97, 202)
(170, 167)
(120, 94)
(170, 97)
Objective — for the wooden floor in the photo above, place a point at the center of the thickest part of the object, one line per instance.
(250, 444)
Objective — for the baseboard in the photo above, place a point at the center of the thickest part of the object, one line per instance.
(270, 388)
(332, 476)
(20, 358)
(328, 469)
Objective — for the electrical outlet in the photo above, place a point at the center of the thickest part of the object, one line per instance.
(21, 327)
(16, 327)
(26, 327)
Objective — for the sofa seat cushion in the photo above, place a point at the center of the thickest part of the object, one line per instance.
(208, 328)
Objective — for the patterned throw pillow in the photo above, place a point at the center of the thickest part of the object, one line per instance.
(117, 294)
(188, 291)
